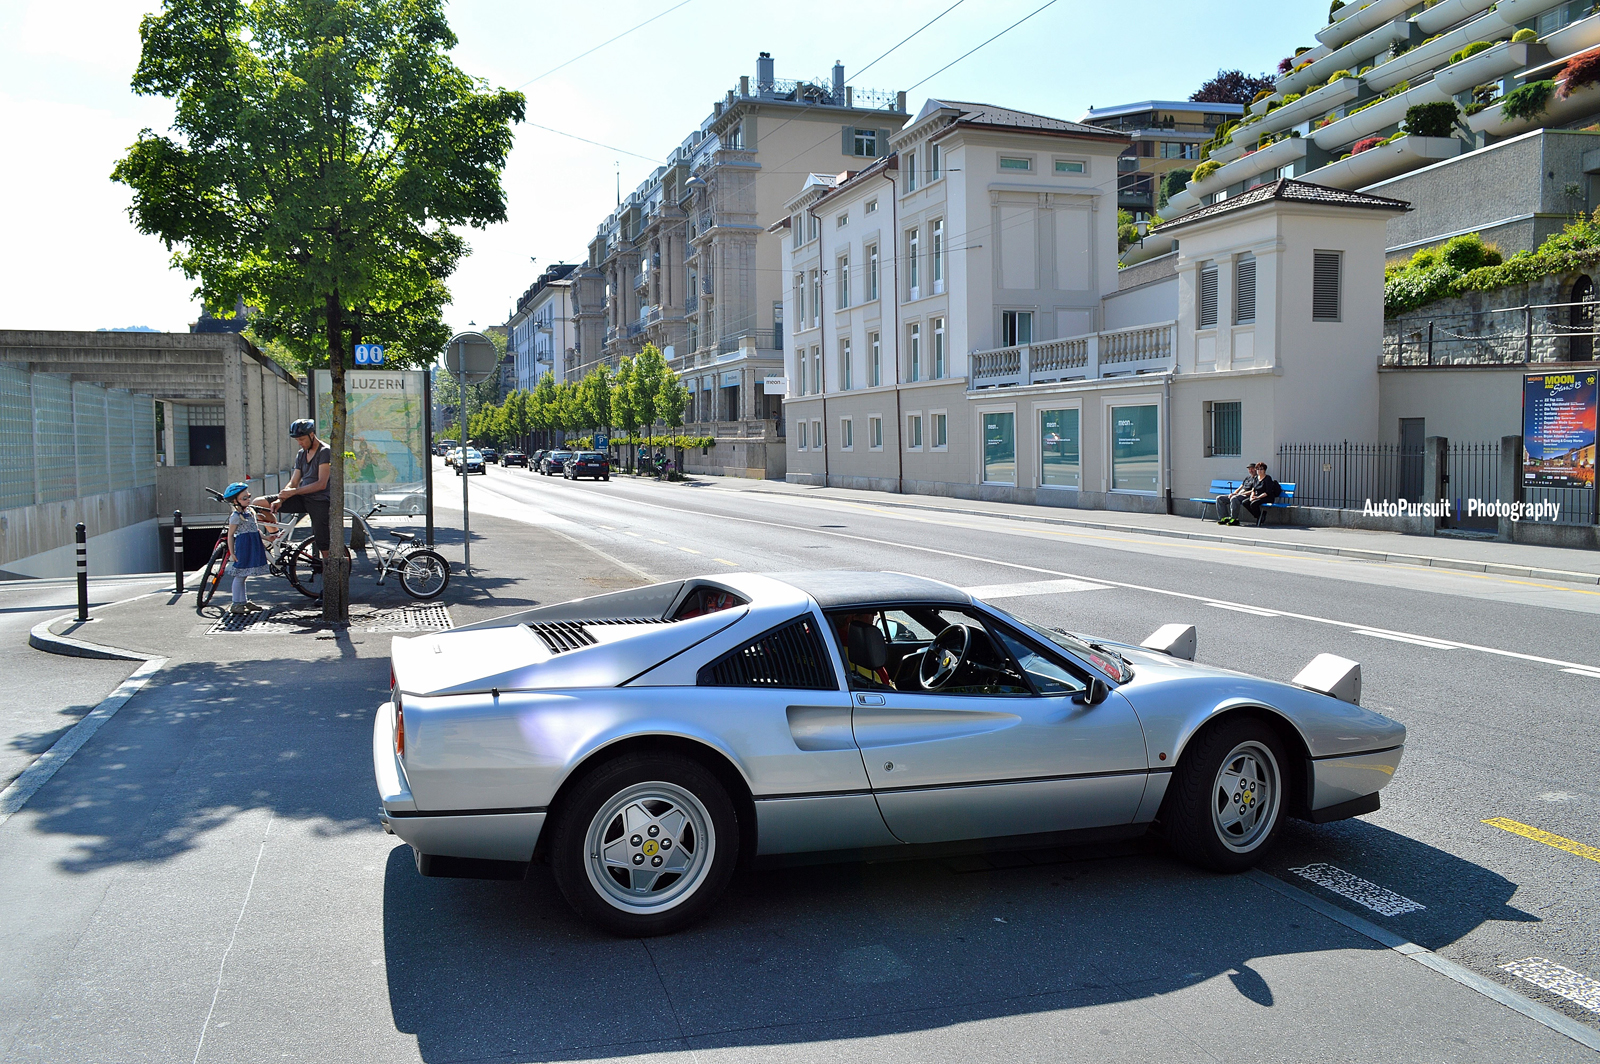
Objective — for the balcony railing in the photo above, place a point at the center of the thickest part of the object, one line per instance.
(1121, 352)
(691, 303)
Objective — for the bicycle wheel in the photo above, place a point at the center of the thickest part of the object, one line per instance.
(305, 570)
(215, 567)
(424, 574)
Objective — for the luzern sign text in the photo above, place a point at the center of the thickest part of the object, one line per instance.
(375, 380)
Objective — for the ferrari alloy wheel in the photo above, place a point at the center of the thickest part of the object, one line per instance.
(645, 845)
(1226, 801)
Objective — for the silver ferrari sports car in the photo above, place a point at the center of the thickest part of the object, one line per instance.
(644, 743)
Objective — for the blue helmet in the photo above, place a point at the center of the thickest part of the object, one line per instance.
(302, 427)
(234, 490)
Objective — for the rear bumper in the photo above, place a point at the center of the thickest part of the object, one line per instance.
(490, 835)
(1343, 787)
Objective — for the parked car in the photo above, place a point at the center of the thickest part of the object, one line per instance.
(588, 464)
(554, 462)
(470, 462)
(511, 458)
(641, 739)
(535, 458)
(490, 454)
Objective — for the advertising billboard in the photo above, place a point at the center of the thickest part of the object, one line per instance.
(386, 457)
(1558, 429)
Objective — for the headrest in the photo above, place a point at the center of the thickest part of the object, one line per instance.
(867, 646)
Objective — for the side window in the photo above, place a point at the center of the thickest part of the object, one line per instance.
(1049, 676)
(789, 656)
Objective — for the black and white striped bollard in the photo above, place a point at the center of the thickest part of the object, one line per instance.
(177, 549)
(83, 572)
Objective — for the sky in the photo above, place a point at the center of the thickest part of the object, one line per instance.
(73, 260)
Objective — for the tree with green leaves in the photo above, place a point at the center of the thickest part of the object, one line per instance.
(322, 153)
(541, 407)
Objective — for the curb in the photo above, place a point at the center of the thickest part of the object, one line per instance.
(1377, 557)
(41, 638)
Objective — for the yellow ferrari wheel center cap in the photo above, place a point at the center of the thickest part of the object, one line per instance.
(650, 847)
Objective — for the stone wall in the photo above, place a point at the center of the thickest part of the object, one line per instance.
(1488, 327)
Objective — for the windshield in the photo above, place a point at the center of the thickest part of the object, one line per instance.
(474, 454)
(1107, 661)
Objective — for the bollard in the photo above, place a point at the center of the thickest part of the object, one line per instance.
(83, 571)
(177, 549)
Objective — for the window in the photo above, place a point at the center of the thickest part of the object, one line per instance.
(1016, 162)
(938, 348)
(941, 431)
(1060, 464)
(847, 434)
(862, 142)
(911, 171)
(791, 655)
(1016, 327)
(933, 162)
(913, 251)
(800, 299)
(1178, 150)
(1208, 296)
(1244, 289)
(937, 233)
(842, 221)
(871, 207)
(801, 444)
(1000, 448)
(844, 365)
(812, 228)
(1071, 166)
(1135, 449)
(872, 271)
(875, 433)
(798, 224)
(875, 372)
(913, 432)
(1325, 270)
(816, 371)
(914, 353)
(816, 298)
(842, 274)
(1049, 676)
(1224, 430)
(816, 436)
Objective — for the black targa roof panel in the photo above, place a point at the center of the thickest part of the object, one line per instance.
(836, 588)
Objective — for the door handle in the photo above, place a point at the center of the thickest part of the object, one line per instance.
(869, 700)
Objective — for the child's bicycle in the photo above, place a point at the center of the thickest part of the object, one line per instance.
(423, 572)
(281, 551)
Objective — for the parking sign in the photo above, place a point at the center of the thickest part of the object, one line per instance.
(369, 354)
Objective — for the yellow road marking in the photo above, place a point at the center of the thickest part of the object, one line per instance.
(688, 550)
(635, 535)
(663, 542)
(725, 561)
(1576, 848)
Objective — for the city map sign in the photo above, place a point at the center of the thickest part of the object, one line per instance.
(386, 433)
(1558, 429)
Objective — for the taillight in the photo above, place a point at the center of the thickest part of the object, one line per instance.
(399, 727)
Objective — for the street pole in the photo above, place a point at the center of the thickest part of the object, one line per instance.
(461, 470)
(83, 572)
(177, 549)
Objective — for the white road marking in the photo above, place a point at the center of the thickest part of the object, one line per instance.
(1593, 674)
(1037, 587)
(608, 528)
(1379, 899)
(1559, 796)
(1559, 980)
(1414, 640)
(1235, 607)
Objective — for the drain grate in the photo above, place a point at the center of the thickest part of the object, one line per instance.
(261, 622)
(411, 619)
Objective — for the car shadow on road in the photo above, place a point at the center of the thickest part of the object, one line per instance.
(826, 952)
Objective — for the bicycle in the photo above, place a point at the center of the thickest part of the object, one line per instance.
(423, 572)
(279, 555)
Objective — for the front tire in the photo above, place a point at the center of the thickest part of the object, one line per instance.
(1226, 804)
(645, 845)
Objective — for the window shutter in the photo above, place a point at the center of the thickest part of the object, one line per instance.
(883, 142)
(1325, 285)
(1245, 291)
(847, 141)
(1208, 297)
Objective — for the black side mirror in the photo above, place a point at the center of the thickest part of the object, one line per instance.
(1094, 694)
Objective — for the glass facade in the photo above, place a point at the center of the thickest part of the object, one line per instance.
(1136, 448)
(1000, 448)
(1060, 461)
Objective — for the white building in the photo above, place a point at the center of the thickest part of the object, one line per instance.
(540, 330)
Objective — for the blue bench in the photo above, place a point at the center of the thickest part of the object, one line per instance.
(1227, 487)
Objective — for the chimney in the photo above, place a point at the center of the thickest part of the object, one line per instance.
(764, 79)
(838, 80)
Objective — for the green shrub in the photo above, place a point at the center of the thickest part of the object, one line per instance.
(1262, 95)
(1431, 119)
(1468, 252)
(1206, 169)
(1467, 264)
(1528, 102)
(1524, 35)
(1333, 11)
(1471, 50)
(1291, 98)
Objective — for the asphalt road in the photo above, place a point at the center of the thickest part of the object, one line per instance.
(1483, 671)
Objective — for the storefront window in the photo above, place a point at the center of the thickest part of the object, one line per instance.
(1059, 463)
(1000, 448)
(1135, 448)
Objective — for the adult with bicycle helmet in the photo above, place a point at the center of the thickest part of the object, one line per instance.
(307, 492)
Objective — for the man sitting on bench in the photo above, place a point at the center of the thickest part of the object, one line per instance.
(1243, 491)
(1264, 493)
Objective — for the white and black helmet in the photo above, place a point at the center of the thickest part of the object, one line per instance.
(302, 426)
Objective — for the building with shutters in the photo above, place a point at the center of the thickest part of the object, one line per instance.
(540, 335)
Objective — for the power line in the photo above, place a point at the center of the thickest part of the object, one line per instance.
(996, 37)
(596, 143)
(602, 44)
(919, 29)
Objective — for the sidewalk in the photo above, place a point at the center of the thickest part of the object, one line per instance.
(1444, 552)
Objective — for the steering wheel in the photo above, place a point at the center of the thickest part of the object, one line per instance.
(944, 656)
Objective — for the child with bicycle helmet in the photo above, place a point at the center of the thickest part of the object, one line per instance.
(245, 543)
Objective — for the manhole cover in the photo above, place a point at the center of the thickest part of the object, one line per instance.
(411, 619)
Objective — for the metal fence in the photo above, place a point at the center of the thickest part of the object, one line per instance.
(61, 440)
(1543, 332)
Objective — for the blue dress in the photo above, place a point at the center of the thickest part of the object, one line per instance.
(249, 552)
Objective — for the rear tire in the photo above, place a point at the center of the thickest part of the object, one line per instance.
(1226, 804)
(645, 845)
(212, 577)
(305, 570)
(424, 574)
